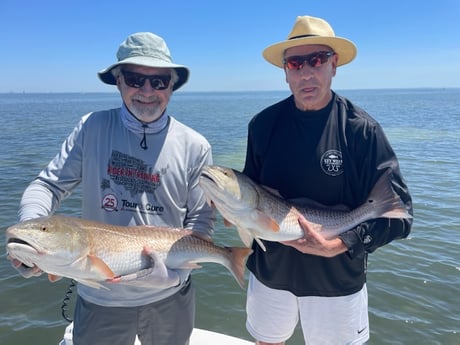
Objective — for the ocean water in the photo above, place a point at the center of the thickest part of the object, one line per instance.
(413, 284)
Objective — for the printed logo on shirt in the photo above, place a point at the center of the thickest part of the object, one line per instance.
(136, 178)
(132, 173)
(127, 205)
(110, 202)
(331, 162)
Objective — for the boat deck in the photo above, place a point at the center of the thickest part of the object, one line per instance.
(199, 337)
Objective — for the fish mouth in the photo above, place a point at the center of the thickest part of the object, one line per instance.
(21, 250)
(206, 177)
(18, 240)
(15, 242)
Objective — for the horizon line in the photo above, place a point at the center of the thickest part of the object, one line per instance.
(235, 91)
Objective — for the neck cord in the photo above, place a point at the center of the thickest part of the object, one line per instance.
(143, 142)
(133, 124)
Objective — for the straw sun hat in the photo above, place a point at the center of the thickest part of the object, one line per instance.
(145, 49)
(311, 30)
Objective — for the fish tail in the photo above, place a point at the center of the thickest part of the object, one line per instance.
(238, 256)
(387, 203)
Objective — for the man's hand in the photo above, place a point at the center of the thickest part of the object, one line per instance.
(315, 244)
(24, 270)
(156, 276)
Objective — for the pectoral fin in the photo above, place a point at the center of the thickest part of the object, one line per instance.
(97, 264)
(267, 222)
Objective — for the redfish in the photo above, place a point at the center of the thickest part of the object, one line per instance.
(260, 213)
(92, 252)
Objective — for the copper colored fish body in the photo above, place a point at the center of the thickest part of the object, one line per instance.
(91, 252)
(259, 213)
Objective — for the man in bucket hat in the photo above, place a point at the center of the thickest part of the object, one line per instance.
(318, 145)
(137, 165)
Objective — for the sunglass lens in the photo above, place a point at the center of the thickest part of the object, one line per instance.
(137, 80)
(160, 82)
(314, 60)
(296, 62)
(133, 80)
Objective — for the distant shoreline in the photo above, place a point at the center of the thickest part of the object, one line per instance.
(221, 92)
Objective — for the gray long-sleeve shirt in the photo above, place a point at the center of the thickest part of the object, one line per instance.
(124, 184)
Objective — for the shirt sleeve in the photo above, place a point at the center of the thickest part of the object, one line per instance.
(250, 165)
(56, 182)
(372, 234)
(200, 216)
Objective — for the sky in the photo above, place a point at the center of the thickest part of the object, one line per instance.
(60, 45)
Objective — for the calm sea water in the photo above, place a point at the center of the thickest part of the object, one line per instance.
(414, 284)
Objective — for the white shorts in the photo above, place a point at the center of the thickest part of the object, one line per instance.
(272, 316)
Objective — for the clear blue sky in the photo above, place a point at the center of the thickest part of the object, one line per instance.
(59, 45)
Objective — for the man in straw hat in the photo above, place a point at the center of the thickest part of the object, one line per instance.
(318, 145)
(137, 165)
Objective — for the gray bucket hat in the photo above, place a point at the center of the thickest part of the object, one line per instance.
(145, 49)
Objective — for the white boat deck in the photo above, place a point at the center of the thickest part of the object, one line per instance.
(199, 337)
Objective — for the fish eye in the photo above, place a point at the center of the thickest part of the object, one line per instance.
(44, 228)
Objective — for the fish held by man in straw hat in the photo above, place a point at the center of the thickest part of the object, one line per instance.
(260, 213)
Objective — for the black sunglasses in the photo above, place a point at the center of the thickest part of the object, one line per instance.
(315, 59)
(137, 80)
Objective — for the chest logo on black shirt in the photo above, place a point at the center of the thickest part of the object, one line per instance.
(331, 163)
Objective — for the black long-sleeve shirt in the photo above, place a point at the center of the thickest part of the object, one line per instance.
(333, 156)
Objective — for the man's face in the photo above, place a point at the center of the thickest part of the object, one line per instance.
(144, 102)
(311, 86)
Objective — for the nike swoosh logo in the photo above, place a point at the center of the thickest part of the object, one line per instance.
(361, 331)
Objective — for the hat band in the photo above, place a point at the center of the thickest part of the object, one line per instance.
(301, 36)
